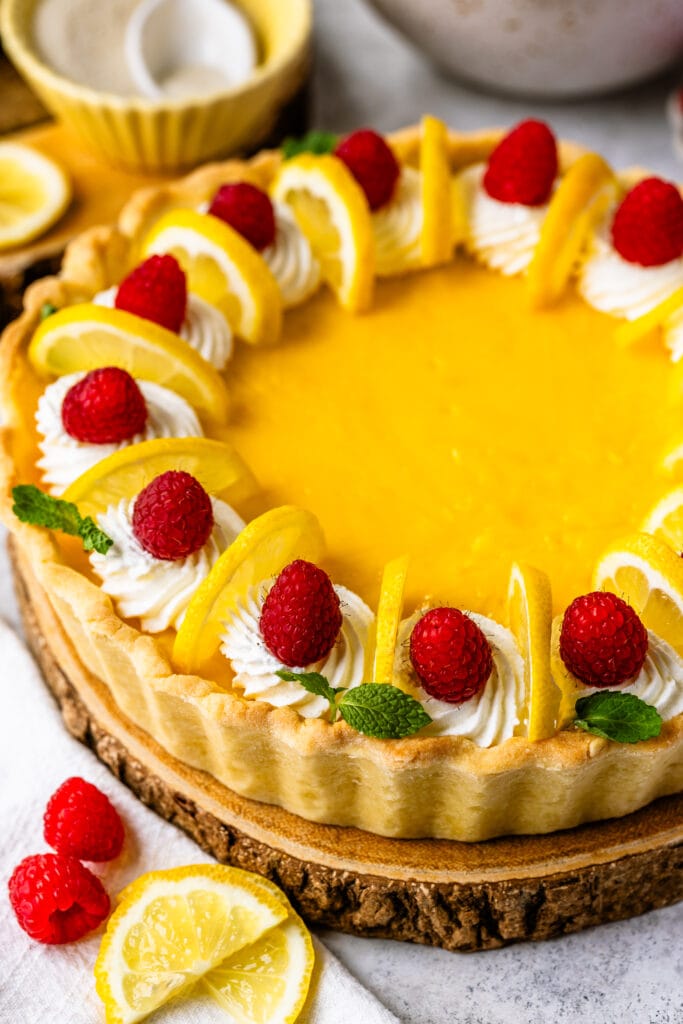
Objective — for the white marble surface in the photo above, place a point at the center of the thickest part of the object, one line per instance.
(626, 973)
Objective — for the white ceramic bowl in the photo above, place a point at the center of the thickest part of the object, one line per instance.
(544, 48)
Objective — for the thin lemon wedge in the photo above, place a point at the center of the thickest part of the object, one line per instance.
(34, 193)
(649, 575)
(333, 213)
(265, 546)
(224, 270)
(389, 613)
(86, 336)
(631, 331)
(436, 237)
(581, 198)
(530, 619)
(665, 521)
(216, 464)
(170, 928)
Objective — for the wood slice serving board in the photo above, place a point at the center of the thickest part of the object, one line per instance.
(461, 896)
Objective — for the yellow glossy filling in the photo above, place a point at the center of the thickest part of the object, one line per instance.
(454, 424)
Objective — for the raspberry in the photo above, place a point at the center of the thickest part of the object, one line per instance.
(523, 166)
(81, 822)
(157, 291)
(55, 899)
(105, 407)
(450, 655)
(648, 226)
(602, 641)
(301, 617)
(372, 163)
(248, 210)
(173, 516)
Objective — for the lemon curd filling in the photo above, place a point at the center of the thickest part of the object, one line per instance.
(451, 423)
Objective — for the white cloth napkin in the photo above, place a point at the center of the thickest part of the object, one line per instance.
(42, 984)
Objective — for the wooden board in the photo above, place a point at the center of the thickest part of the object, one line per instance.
(461, 896)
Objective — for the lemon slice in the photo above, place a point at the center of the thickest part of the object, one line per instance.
(389, 612)
(581, 198)
(332, 211)
(170, 928)
(86, 336)
(649, 575)
(265, 546)
(665, 520)
(632, 331)
(34, 193)
(224, 270)
(530, 619)
(216, 464)
(436, 238)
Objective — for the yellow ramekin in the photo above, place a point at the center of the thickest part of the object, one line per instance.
(173, 134)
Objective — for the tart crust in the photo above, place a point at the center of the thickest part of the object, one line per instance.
(418, 787)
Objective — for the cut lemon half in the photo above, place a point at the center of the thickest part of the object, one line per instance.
(34, 193)
(631, 331)
(649, 575)
(224, 270)
(389, 613)
(332, 211)
(216, 464)
(436, 237)
(265, 546)
(581, 198)
(530, 619)
(86, 336)
(665, 520)
(170, 928)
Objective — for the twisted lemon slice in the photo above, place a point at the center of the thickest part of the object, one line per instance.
(389, 613)
(265, 546)
(436, 238)
(224, 270)
(333, 213)
(34, 192)
(530, 619)
(86, 336)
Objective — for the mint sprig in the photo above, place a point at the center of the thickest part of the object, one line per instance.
(33, 506)
(312, 142)
(618, 716)
(46, 310)
(374, 709)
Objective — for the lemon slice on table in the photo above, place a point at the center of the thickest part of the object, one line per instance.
(649, 575)
(223, 269)
(665, 520)
(332, 211)
(170, 928)
(530, 619)
(632, 331)
(581, 198)
(215, 464)
(86, 336)
(263, 548)
(389, 613)
(436, 237)
(34, 193)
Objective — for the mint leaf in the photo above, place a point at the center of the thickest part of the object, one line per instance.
(33, 506)
(382, 711)
(315, 683)
(312, 142)
(46, 310)
(618, 716)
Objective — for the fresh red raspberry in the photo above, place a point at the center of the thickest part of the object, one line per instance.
(80, 821)
(648, 226)
(248, 210)
(372, 163)
(55, 899)
(173, 516)
(523, 166)
(156, 290)
(105, 407)
(602, 641)
(450, 654)
(301, 616)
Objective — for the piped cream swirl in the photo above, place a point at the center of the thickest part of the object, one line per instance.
(64, 458)
(503, 236)
(494, 714)
(291, 259)
(143, 587)
(204, 328)
(660, 680)
(255, 667)
(397, 226)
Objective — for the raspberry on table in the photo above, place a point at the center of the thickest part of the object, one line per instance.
(450, 654)
(104, 407)
(248, 210)
(647, 228)
(372, 163)
(80, 821)
(523, 166)
(55, 899)
(173, 516)
(602, 640)
(156, 290)
(301, 615)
